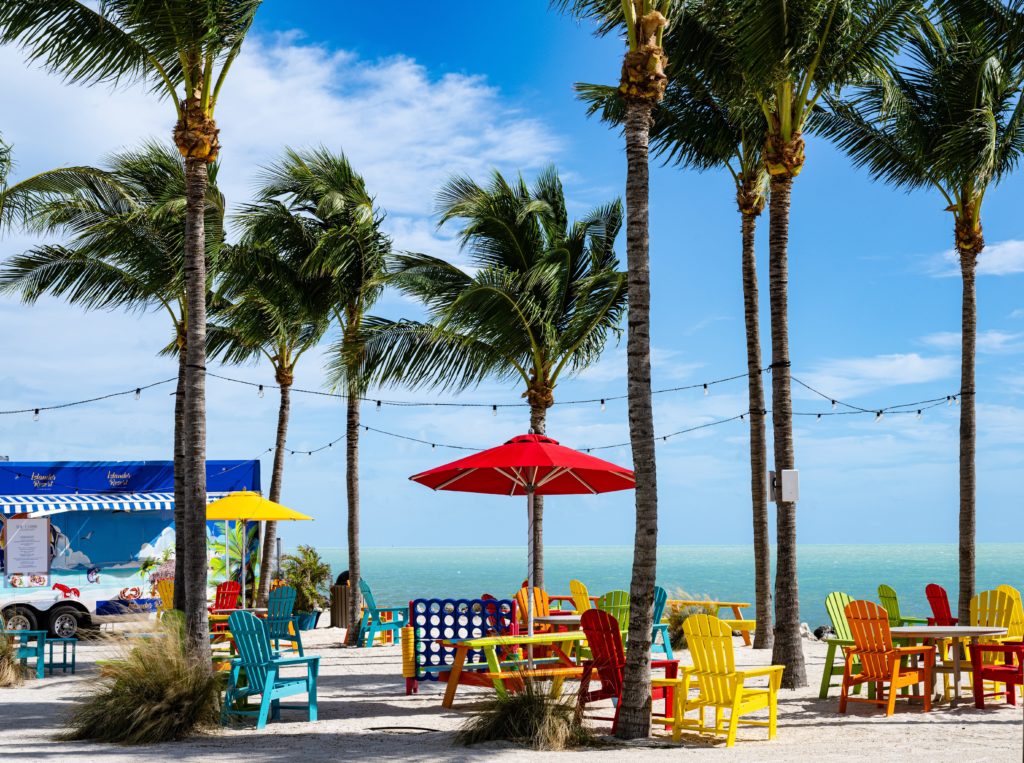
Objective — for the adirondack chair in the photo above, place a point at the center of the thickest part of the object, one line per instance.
(372, 624)
(990, 609)
(608, 662)
(660, 629)
(881, 662)
(1016, 630)
(226, 596)
(281, 625)
(723, 687)
(263, 674)
(996, 663)
(938, 600)
(616, 604)
(541, 608)
(165, 590)
(891, 603)
(835, 605)
(580, 596)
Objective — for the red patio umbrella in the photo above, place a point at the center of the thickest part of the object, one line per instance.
(528, 464)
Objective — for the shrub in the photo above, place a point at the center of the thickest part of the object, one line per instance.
(310, 576)
(11, 671)
(531, 717)
(154, 692)
(677, 616)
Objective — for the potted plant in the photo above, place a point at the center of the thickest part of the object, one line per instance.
(310, 576)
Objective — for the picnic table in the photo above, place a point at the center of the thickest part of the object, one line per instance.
(739, 623)
(936, 633)
(500, 673)
(25, 650)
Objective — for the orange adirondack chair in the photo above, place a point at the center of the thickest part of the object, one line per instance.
(880, 662)
(541, 608)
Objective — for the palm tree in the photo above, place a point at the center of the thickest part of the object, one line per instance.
(315, 208)
(126, 251)
(642, 85)
(705, 122)
(184, 49)
(790, 55)
(541, 301)
(273, 310)
(948, 117)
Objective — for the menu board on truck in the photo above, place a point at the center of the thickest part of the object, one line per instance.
(27, 552)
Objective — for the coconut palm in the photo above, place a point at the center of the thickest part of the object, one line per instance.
(273, 311)
(790, 55)
(706, 121)
(124, 226)
(948, 118)
(184, 49)
(642, 86)
(315, 209)
(540, 302)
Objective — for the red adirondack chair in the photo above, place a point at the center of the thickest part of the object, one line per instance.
(939, 601)
(225, 598)
(1009, 672)
(609, 662)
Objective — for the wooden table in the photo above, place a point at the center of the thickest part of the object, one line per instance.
(740, 624)
(499, 672)
(565, 621)
(936, 633)
(24, 650)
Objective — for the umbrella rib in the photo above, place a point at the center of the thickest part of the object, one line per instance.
(514, 477)
(556, 472)
(629, 477)
(582, 481)
(456, 478)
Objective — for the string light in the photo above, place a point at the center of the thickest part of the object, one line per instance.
(35, 415)
(259, 392)
(602, 404)
(378, 406)
(834, 405)
(879, 416)
(138, 392)
(705, 390)
(918, 413)
(494, 410)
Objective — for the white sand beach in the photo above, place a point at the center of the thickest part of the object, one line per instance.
(365, 714)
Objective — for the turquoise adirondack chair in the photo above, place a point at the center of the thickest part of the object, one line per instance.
(660, 628)
(281, 625)
(263, 674)
(372, 623)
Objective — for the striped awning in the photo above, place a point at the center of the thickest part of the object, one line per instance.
(56, 503)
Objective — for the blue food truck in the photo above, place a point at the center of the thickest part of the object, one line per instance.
(83, 538)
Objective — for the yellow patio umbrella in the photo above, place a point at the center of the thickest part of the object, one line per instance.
(248, 506)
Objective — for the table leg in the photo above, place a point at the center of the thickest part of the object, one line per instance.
(745, 634)
(494, 666)
(453, 677)
(956, 673)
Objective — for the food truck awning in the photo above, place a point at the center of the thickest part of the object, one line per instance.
(20, 504)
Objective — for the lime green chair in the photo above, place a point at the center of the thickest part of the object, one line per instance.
(891, 604)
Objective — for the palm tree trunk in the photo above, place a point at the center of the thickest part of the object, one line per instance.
(196, 616)
(968, 331)
(763, 635)
(635, 712)
(788, 647)
(352, 485)
(270, 533)
(538, 423)
(180, 507)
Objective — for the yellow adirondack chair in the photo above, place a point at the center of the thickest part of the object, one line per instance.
(1016, 630)
(165, 590)
(721, 685)
(580, 596)
(992, 609)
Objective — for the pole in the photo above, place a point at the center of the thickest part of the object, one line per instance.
(227, 551)
(529, 572)
(244, 549)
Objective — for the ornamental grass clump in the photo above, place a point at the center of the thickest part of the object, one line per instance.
(677, 616)
(12, 673)
(531, 717)
(154, 692)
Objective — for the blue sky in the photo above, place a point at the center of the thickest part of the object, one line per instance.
(874, 311)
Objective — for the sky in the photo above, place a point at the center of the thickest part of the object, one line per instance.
(468, 87)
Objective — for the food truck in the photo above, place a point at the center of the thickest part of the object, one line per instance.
(81, 539)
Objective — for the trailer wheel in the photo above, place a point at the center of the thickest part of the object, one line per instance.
(19, 619)
(64, 622)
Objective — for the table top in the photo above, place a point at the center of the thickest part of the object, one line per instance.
(553, 619)
(946, 631)
(702, 602)
(537, 638)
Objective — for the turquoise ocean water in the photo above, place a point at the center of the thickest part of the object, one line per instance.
(397, 575)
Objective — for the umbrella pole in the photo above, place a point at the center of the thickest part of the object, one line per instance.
(227, 550)
(529, 574)
(244, 549)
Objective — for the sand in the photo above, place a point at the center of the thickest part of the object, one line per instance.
(365, 714)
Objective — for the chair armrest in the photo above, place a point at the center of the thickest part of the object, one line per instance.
(392, 609)
(839, 641)
(923, 649)
(297, 660)
(1002, 648)
(664, 663)
(765, 671)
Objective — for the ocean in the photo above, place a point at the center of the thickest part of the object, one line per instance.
(726, 573)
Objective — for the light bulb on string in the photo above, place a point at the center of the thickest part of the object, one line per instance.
(949, 400)
(138, 392)
(494, 410)
(378, 406)
(259, 391)
(705, 390)
(919, 413)
(879, 416)
(833, 405)
(35, 415)
(602, 404)
(819, 417)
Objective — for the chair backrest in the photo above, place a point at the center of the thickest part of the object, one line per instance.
(368, 600)
(660, 600)
(891, 603)
(992, 609)
(541, 603)
(281, 604)
(616, 604)
(835, 604)
(605, 642)
(1016, 629)
(710, 643)
(938, 600)
(227, 595)
(253, 644)
(165, 590)
(872, 639)
(580, 596)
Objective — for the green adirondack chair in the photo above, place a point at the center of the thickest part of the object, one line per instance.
(281, 625)
(891, 604)
(372, 623)
(263, 674)
(835, 605)
(660, 628)
(616, 604)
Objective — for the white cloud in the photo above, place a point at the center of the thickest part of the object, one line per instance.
(666, 366)
(999, 259)
(992, 341)
(849, 377)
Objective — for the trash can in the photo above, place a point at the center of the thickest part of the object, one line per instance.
(339, 606)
